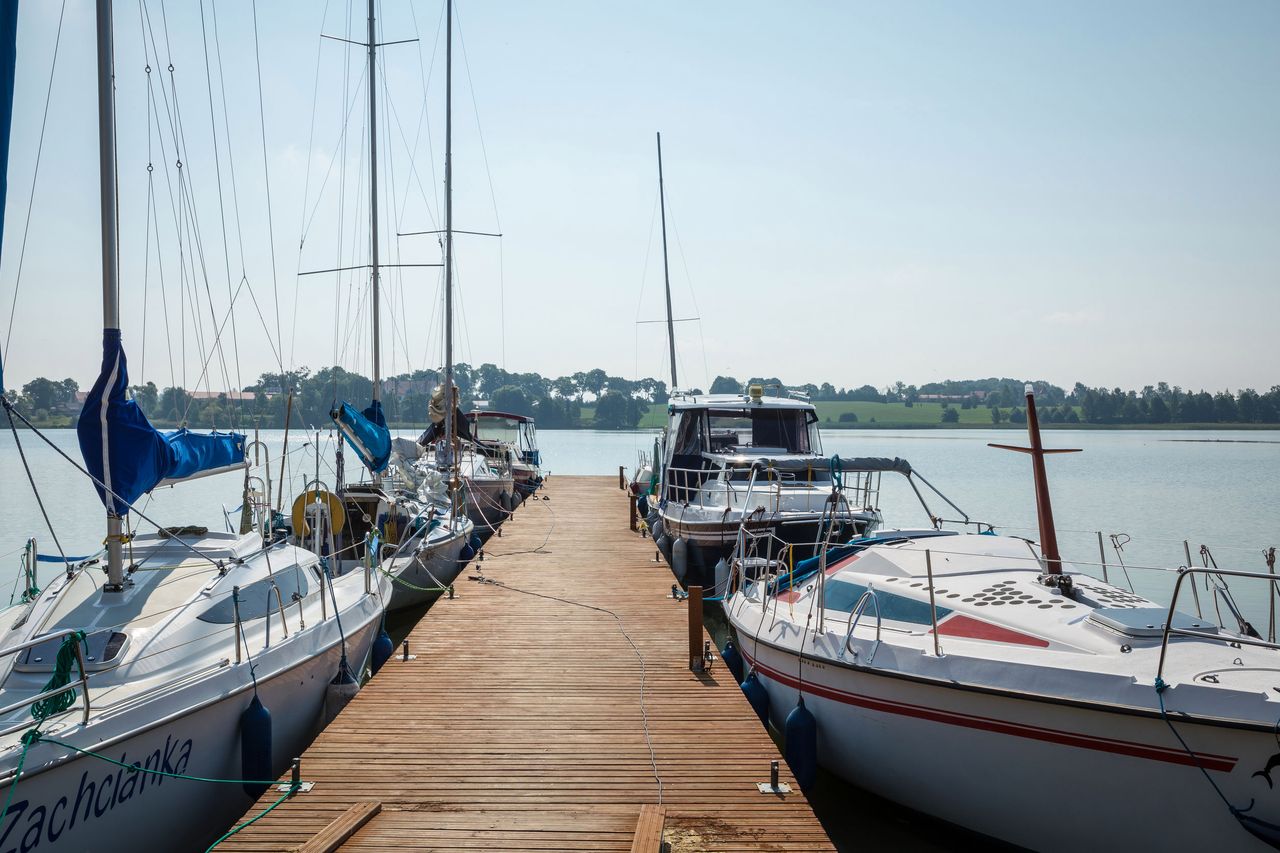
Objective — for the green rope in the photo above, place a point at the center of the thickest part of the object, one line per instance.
(28, 738)
(141, 769)
(251, 821)
(46, 708)
(412, 585)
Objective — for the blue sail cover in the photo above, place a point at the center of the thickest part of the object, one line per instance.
(126, 453)
(367, 434)
(8, 69)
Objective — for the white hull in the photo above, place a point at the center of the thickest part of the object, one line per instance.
(1033, 773)
(70, 802)
(417, 580)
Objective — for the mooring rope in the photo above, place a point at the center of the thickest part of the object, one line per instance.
(644, 714)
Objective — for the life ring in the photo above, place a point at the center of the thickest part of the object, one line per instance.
(337, 515)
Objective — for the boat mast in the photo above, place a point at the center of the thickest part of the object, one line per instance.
(110, 263)
(373, 210)
(1044, 508)
(666, 273)
(450, 403)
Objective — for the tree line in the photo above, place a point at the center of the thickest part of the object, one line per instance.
(618, 403)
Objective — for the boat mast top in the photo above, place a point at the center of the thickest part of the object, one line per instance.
(450, 402)
(666, 273)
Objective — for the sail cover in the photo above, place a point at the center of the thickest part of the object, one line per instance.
(367, 434)
(8, 63)
(123, 451)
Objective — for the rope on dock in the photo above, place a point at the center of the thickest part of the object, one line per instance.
(644, 714)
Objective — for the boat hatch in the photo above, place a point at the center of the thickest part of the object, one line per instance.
(1147, 621)
(101, 651)
(258, 599)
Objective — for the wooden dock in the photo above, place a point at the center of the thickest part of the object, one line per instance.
(521, 725)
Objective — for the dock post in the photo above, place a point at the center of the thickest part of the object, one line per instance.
(696, 662)
(633, 517)
(622, 477)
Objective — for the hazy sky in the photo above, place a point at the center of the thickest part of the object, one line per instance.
(858, 193)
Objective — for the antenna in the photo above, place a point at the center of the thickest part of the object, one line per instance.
(1044, 509)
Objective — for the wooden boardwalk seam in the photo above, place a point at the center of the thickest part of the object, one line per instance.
(518, 725)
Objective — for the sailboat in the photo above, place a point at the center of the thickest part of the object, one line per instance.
(138, 676)
(730, 459)
(981, 679)
(481, 483)
(411, 532)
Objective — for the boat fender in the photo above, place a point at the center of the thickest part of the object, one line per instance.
(467, 554)
(255, 746)
(476, 542)
(800, 735)
(655, 525)
(664, 548)
(383, 649)
(756, 696)
(721, 587)
(341, 690)
(680, 558)
(733, 660)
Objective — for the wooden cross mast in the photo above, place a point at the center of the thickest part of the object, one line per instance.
(1044, 509)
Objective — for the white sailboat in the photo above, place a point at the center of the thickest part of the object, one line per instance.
(484, 486)
(980, 679)
(137, 676)
(410, 531)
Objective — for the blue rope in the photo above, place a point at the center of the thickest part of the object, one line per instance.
(1161, 686)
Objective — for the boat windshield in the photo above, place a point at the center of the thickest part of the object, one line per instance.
(505, 430)
(755, 430)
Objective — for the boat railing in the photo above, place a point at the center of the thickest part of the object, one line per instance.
(1246, 636)
(689, 487)
(82, 682)
(855, 616)
(284, 626)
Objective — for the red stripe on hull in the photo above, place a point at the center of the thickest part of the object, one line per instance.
(1221, 763)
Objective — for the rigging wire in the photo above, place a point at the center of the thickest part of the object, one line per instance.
(35, 175)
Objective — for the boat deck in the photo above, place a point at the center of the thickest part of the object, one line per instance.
(520, 724)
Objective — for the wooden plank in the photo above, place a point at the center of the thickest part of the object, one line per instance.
(338, 831)
(648, 837)
(544, 703)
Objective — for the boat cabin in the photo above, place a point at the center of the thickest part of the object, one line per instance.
(722, 434)
(492, 430)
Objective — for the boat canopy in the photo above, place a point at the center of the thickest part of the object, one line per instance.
(124, 452)
(366, 432)
(872, 463)
(473, 415)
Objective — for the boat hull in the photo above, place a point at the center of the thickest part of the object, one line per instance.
(66, 801)
(487, 502)
(1039, 774)
(419, 579)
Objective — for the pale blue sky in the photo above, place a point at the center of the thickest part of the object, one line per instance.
(859, 192)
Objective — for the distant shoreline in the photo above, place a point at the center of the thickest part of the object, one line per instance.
(826, 426)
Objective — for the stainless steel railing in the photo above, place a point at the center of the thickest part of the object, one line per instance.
(81, 683)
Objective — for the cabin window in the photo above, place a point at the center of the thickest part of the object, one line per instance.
(843, 596)
(764, 429)
(99, 648)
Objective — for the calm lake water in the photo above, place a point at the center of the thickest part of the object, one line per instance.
(1155, 488)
